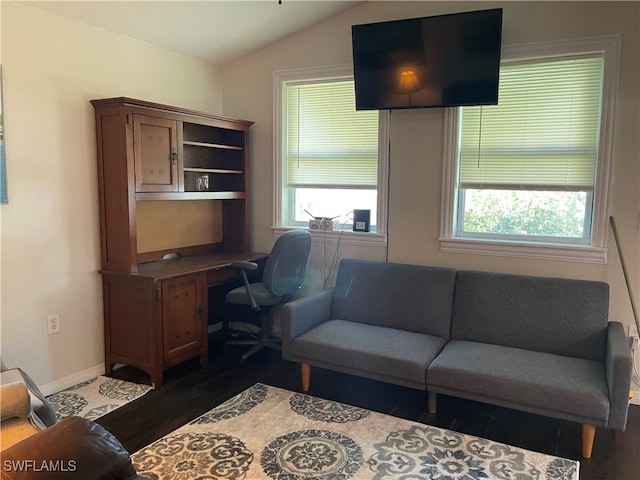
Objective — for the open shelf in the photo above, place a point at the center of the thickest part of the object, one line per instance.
(145, 196)
(212, 145)
(214, 170)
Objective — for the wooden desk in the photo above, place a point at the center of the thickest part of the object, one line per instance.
(158, 317)
(150, 157)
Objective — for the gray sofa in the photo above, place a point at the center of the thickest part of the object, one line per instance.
(536, 344)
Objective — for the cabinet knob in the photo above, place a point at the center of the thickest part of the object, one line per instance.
(174, 156)
(200, 309)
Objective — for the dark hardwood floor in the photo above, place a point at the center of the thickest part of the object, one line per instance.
(190, 391)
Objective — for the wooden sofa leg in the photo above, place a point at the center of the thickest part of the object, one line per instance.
(432, 401)
(305, 371)
(588, 435)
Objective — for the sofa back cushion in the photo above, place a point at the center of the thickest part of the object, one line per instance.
(409, 297)
(543, 314)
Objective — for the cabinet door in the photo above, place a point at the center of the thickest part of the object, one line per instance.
(156, 154)
(184, 318)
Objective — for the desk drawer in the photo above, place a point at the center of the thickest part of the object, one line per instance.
(221, 275)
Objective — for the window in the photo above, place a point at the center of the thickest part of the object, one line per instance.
(533, 171)
(328, 156)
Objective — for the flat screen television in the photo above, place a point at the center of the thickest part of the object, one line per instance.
(439, 61)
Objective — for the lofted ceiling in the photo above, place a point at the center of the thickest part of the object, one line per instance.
(209, 30)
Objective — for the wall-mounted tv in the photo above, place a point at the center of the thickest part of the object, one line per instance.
(439, 61)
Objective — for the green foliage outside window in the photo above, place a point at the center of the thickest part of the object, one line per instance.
(525, 213)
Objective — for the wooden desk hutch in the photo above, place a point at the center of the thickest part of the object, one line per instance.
(172, 183)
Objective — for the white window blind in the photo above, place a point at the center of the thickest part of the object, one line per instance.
(543, 134)
(329, 143)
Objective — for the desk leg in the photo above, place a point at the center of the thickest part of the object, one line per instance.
(156, 378)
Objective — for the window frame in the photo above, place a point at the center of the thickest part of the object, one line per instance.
(594, 251)
(282, 195)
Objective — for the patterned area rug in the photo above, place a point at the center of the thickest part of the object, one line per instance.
(269, 433)
(96, 397)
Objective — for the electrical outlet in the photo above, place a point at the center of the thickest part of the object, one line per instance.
(53, 323)
(632, 331)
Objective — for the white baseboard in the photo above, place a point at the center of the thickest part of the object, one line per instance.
(71, 380)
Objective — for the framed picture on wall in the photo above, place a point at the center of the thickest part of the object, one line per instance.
(3, 165)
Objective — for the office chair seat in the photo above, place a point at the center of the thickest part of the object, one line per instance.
(260, 293)
(283, 275)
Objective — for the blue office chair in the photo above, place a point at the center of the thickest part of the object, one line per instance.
(283, 275)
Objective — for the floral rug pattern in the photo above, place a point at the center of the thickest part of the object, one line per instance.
(95, 397)
(270, 433)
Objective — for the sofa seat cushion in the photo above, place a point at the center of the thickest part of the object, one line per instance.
(532, 381)
(380, 351)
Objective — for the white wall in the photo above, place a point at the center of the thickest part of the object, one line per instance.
(417, 136)
(50, 229)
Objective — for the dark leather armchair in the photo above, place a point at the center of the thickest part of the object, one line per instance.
(73, 448)
(283, 275)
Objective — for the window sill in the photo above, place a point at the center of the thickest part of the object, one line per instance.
(345, 237)
(566, 253)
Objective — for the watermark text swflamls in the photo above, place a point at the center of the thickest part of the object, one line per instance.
(39, 465)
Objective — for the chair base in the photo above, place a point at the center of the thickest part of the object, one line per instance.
(269, 343)
(265, 340)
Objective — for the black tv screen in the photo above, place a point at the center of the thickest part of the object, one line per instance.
(440, 61)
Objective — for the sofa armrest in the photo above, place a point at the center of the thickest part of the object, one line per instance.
(14, 400)
(42, 413)
(301, 315)
(618, 365)
(17, 422)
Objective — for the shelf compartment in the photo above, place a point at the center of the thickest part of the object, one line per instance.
(219, 181)
(195, 156)
(212, 136)
(212, 145)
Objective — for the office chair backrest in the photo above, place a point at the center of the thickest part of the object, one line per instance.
(287, 263)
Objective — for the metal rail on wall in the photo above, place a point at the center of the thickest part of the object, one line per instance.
(633, 304)
(624, 271)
